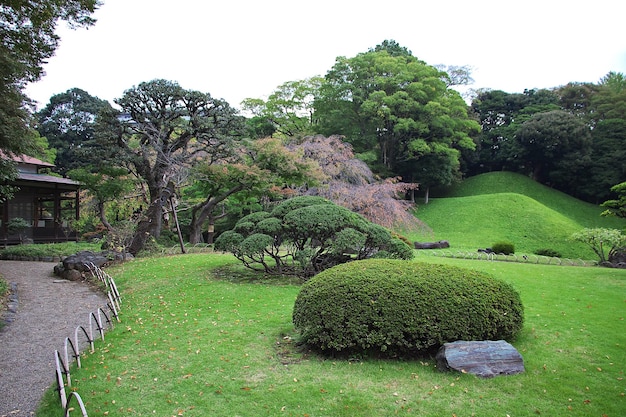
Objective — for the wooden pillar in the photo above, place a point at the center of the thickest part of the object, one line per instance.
(77, 204)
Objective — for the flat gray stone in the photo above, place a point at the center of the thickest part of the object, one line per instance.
(485, 359)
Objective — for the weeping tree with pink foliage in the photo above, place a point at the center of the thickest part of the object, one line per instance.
(350, 183)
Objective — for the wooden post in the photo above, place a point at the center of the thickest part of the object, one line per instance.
(180, 235)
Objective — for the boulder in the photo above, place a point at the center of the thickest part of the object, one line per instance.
(74, 266)
(442, 244)
(81, 260)
(485, 359)
(618, 258)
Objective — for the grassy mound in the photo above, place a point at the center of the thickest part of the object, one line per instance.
(506, 206)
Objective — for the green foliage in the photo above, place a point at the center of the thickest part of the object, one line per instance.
(68, 123)
(390, 307)
(604, 242)
(506, 248)
(305, 235)
(616, 207)
(17, 225)
(28, 33)
(388, 100)
(288, 111)
(555, 148)
(548, 252)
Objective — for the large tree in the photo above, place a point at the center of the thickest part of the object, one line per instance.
(350, 183)
(608, 118)
(68, 123)
(289, 109)
(164, 129)
(554, 147)
(391, 102)
(264, 167)
(27, 30)
(500, 115)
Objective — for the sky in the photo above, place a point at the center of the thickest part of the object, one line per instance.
(237, 49)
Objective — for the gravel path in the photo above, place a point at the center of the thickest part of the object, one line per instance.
(48, 310)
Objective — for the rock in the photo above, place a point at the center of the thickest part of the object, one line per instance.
(75, 266)
(442, 244)
(618, 258)
(81, 260)
(72, 275)
(482, 358)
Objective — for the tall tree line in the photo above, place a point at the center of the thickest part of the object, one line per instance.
(400, 117)
(572, 138)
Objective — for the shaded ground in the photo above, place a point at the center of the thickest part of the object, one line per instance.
(46, 311)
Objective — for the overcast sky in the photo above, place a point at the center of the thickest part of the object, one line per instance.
(235, 49)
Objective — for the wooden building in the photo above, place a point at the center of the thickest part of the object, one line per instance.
(47, 203)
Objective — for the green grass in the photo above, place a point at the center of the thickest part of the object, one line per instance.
(505, 206)
(194, 343)
(200, 338)
(49, 249)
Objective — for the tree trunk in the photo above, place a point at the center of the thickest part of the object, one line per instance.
(198, 217)
(427, 195)
(152, 222)
(195, 230)
(203, 211)
(149, 225)
(103, 217)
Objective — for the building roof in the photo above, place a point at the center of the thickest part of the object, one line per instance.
(46, 178)
(25, 159)
(65, 183)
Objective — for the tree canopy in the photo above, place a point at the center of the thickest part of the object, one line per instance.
(288, 111)
(164, 129)
(68, 122)
(570, 137)
(391, 102)
(27, 30)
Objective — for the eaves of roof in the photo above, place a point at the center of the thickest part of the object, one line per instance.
(47, 179)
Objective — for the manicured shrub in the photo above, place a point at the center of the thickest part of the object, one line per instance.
(390, 308)
(305, 235)
(18, 226)
(504, 247)
(548, 252)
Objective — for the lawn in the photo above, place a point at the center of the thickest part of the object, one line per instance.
(196, 341)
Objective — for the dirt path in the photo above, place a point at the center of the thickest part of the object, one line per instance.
(48, 311)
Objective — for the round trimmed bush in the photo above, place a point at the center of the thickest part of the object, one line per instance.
(392, 307)
(506, 248)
